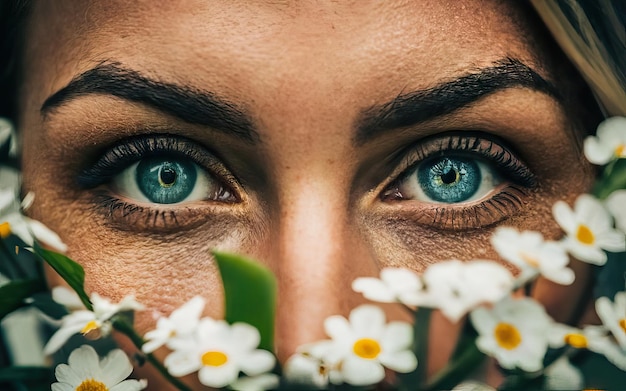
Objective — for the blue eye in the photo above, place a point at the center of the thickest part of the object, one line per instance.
(167, 180)
(449, 179)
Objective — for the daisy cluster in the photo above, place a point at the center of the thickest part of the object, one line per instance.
(364, 348)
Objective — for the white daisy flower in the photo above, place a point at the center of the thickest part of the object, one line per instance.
(615, 203)
(395, 285)
(609, 142)
(528, 251)
(181, 324)
(314, 365)
(456, 287)
(593, 338)
(366, 344)
(613, 316)
(85, 371)
(589, 229)
(12, 221)
(221, 351)
(94, 323)
(514, 332)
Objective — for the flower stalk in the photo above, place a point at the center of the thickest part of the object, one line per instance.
(123, 327)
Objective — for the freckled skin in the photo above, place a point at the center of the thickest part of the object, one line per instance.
(311, 209)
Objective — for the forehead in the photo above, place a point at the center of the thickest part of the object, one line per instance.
(272, 49)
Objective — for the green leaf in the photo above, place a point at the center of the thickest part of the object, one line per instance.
(250, 294)
(25, 373)
(613, 178)
(69, 270)
(12, 294)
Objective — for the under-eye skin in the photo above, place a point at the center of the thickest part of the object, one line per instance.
(157, 182)
(460, 181)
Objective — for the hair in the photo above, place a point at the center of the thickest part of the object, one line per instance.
(12, 21)
(592, 33)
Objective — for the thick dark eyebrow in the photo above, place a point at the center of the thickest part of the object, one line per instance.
(412, 108)
(186, 103)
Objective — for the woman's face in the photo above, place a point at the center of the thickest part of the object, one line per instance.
(325, 140)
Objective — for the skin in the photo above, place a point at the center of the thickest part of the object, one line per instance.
(309, 198)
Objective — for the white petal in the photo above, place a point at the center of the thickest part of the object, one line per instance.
(65, 374)
(400, 278)
(592, 255)
(401, 362)
(305, 371)
(616, 204)
(267, 381)
(397, 336)
(218, 376)
(358, 372)
(62, 387)
(46, 235)
(245, 336)
(564, 216)
(337, 327)
(59, 338)
(563, 276)
(257, 362)
(85, 361)
(67, 297)
(374, 289)
(367, 320)
(596, 151)
(180, 363)
(612, 131)
(189, 314)
(612, 240)
(115, 367)
(471, 385)
(562, 375)
(131, 385)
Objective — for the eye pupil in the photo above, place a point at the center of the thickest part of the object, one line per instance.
(167, 176)
(450, 176)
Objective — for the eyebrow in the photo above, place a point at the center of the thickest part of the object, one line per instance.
(186, 103)
(419, 106)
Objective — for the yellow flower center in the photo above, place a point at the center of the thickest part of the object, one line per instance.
(5, 230)
(91, 385)
(622, 324)
(530, 260)
(584, 235)
(89, 327)
(507, 336)
(366, 348)
(214, 359)
(576, 340)
(620, 151)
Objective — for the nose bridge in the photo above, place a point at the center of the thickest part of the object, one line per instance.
(317, 253)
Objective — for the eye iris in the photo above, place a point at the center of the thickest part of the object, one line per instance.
(449, 180)
(166, 180)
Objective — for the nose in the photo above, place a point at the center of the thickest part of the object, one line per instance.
(317, 252)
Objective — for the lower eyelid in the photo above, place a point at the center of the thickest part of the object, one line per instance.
(131, 216)
(506, 202)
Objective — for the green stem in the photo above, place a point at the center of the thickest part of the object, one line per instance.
(454, 372)
(123, 327)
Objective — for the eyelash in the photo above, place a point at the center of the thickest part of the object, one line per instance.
(126, 152)
(475, 214)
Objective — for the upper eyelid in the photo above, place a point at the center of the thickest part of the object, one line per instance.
(127, 151)
(475, 143)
